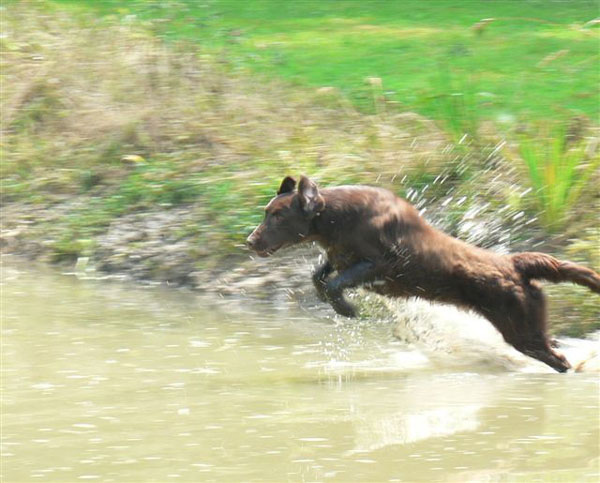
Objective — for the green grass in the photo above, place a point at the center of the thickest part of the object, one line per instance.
(510, 69)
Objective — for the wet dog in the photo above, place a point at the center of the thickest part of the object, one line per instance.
(377, 240)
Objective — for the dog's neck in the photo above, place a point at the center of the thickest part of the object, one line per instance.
(326, 227)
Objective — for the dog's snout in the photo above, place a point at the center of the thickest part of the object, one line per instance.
(250, 241)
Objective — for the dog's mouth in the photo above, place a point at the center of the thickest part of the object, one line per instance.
(264, 253)
(268, 252)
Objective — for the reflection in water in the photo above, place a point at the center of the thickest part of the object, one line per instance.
(408, 428)
(106, 381)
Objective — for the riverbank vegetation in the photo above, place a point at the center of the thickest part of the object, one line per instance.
(148, 126)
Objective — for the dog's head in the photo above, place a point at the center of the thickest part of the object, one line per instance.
(288, 216)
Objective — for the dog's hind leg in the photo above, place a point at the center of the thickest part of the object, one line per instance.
(537, 344)
(319, 279)
(521, 319)
(542, 352)
(532, 344)
(358, 274)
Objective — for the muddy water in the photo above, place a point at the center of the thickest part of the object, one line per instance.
(111, 382)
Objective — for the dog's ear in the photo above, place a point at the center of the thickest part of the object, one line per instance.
(311, 200)
(287, 185)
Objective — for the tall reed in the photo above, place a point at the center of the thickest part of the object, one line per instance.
(453, 102)
(558, 170)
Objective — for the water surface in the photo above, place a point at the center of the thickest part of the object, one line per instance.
(115, 382)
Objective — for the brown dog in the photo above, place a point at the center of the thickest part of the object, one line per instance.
(376, 240)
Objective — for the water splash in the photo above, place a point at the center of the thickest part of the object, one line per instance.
(453, 338)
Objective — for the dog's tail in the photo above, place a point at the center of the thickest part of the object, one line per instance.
(541, 266)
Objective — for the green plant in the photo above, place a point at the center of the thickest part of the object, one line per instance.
(557, 171)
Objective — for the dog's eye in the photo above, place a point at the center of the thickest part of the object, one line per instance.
(276, 215)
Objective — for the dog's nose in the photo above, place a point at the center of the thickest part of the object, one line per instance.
(250, 242)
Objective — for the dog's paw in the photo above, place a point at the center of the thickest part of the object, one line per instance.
(342, 307)
(321, 292)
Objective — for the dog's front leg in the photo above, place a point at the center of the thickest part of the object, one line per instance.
(354, 276)
(319, 279)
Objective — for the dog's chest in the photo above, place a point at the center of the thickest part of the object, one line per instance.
(341, 258)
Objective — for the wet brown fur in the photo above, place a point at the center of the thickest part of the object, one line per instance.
(379, 241)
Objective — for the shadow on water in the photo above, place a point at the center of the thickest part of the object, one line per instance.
(109, 381)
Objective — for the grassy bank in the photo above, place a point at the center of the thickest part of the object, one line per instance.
(138, 125)
(117, 145)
